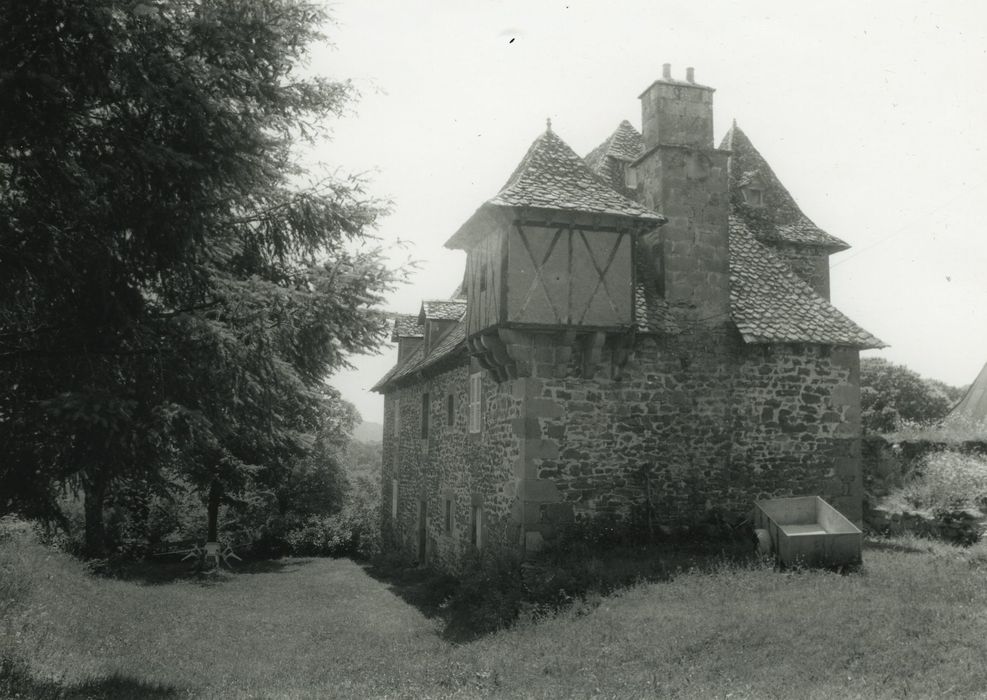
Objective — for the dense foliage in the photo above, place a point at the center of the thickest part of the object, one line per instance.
(171, 299)
(893, 395)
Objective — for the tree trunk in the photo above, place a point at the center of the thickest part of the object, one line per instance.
(215, 492)
(95, 536)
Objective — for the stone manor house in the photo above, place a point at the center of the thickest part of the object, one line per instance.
(647, 327)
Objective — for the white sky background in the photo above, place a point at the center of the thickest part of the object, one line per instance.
(871, 114)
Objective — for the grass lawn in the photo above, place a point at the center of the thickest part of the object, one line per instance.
(913, 622)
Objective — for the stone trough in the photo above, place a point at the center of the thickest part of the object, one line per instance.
(807, 531)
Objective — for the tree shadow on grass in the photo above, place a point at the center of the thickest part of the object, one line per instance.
(484, 602)
(889, 546)
(153, 572)
(422, 588)
(16, 681)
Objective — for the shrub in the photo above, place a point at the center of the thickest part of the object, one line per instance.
(948, 481)
(893, 396)
(353, 532)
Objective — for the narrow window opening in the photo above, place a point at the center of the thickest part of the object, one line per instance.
(475, 401)
(425, 405)
(448, 518)
(476, 527)
(450, 409)
(394, 499)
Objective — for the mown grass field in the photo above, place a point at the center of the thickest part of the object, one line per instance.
(912, 623)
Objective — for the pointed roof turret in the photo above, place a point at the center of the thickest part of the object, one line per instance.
(777, 219)
(552, 176)
(609, 159)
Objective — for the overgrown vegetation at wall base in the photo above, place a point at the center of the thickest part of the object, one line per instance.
(927, 489)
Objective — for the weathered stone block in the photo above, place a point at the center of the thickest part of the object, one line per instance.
(541, 490)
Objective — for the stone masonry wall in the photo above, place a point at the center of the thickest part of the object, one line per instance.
(470, 469)
(690, 423)
(697, 422)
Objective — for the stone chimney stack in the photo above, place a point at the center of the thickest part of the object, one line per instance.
(682, 176)
(678, 112)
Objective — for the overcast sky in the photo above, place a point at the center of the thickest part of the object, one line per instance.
(872, 115)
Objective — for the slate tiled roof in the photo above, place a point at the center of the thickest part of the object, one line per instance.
(780, 220)
(443, 309)
(406, 326)
(609, 159)
(552, 176)
(446, 347)
(770, 304)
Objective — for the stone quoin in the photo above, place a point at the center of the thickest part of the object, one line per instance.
(645, 327)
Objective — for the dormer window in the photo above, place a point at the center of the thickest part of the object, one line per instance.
(630, 177)
(752, 187)
(754, 196)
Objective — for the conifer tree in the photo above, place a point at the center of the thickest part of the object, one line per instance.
(169, 295)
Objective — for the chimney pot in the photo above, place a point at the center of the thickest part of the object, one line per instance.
(690, 74)
(666, 71)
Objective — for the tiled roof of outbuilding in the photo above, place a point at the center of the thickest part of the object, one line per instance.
(552, 176)
(406, 326)
(779, 219)
(770, 304)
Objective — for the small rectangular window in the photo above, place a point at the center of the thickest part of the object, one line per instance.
(448, 513)
(397, 417)
(450, 410)
(425, 407)
(476, 396)
(394, 498)
(476, 527)
(630, 177)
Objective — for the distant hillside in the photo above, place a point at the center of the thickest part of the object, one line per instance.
(368, 432)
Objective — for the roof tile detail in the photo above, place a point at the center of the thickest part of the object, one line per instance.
(406, 326)
(770, 304)
(609, 159)
(443, 309)
(552, 176)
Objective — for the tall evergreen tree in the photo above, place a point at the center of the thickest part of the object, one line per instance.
(168, 295)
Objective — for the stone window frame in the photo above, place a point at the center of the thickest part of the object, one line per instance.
(476, 402)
